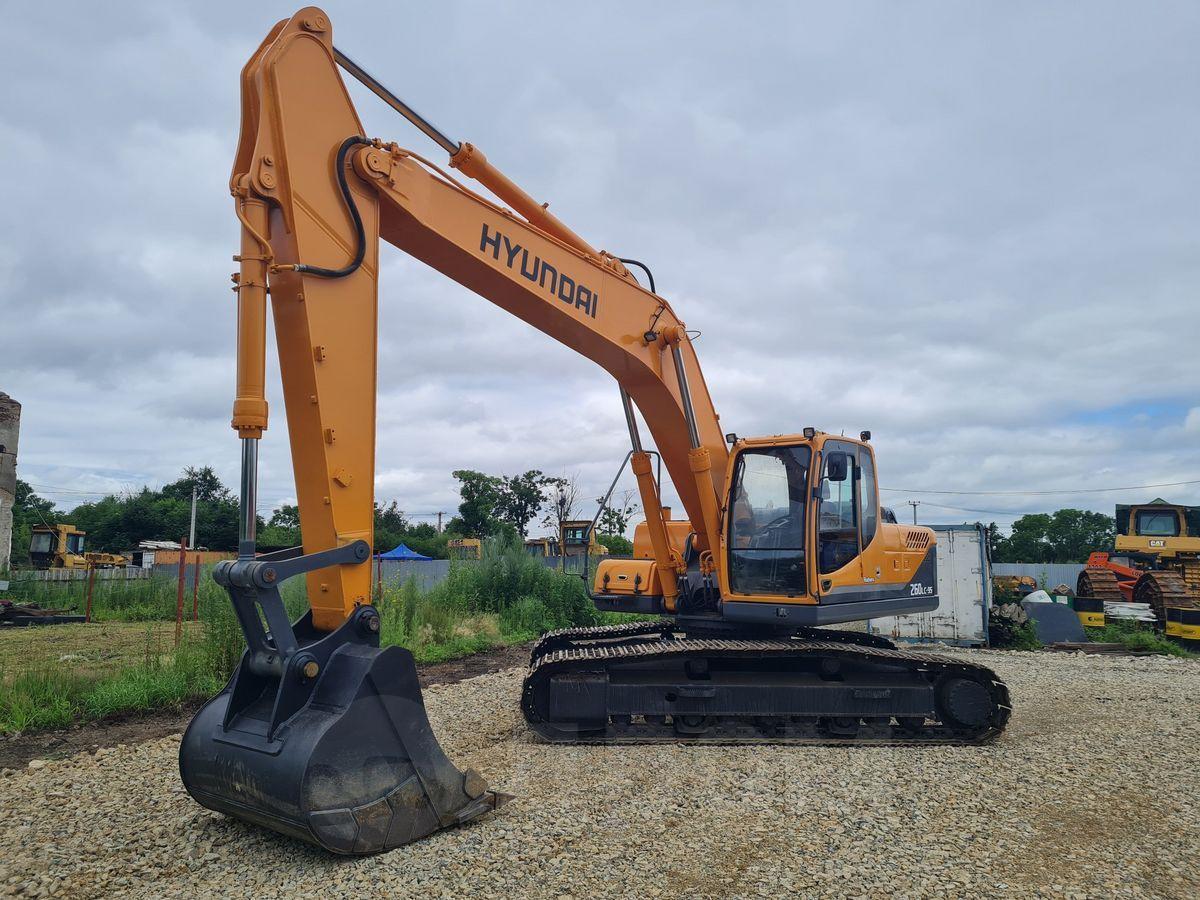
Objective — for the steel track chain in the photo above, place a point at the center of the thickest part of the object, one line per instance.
(558, 661)
(565, 637)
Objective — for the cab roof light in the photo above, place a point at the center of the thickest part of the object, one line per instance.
(864, 436)
(810, 433)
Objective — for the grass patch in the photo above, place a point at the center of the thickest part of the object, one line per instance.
(56, 696)
(126, 659)
(505, 598)
(1138, 638)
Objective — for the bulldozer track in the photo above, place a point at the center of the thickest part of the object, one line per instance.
(1162, 590)
(607, 650)
(1100, 584)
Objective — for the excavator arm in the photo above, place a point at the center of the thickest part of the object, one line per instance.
(314, 197)
(321, 733)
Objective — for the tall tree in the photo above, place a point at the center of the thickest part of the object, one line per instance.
(283, 528)
(521, 496)
(390, 526)
(209, 488)
(286, 516)
(562, 504)
(1065, 536)
(119, 523)
(618, 514)
(480, 495)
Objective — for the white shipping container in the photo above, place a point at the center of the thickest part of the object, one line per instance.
(964, 593)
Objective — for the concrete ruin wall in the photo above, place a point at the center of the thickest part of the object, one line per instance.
(10, 429)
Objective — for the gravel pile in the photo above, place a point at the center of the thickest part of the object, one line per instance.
(1092, 791)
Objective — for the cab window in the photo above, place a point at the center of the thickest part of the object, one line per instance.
(74, 543)
(766, 521)
(867, 502)
(839, 509)
(1158, 523)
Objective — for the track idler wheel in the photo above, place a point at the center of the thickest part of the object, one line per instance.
(964, 702)
(355, 770)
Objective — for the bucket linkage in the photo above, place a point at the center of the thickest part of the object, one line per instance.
(322, 736)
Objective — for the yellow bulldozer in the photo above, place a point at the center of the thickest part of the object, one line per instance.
(61, 547)
(1156, 560)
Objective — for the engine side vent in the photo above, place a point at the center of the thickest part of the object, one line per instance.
(916, 540)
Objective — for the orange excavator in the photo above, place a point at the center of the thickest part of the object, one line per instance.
(321, 733)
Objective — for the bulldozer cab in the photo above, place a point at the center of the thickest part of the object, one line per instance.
(1158, 528)
(55, 547)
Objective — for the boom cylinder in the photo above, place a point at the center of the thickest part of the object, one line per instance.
(635, 439)
(699, 458)
(640, 463)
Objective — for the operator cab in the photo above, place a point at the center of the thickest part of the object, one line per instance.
(802, 512)
(803, 542)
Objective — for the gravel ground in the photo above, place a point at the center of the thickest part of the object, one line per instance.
(1092, 791)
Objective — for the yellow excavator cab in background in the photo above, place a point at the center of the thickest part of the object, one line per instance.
(464, 548)
(61, 547)
(321, 733)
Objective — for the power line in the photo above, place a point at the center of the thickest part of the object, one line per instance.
(988, 512)
(47, 489)
(1136, 487)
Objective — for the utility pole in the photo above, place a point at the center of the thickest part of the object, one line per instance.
(914, 504)
(439, 523)
(192, 530)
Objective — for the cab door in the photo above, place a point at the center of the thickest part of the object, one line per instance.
(837, 511)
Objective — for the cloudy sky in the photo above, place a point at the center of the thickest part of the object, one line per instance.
(973, 229)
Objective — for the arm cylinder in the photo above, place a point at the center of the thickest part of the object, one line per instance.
(248, 501)
(250, 403)
(471, 161)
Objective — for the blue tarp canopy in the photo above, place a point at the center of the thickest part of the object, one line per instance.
(401, 552)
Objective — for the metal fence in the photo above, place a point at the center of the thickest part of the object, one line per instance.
(78, 574)
(1047, 575)
(430, 572)
(426, 573)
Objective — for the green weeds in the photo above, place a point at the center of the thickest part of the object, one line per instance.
(505, 598)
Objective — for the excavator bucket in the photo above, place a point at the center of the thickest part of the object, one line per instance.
(323, 737)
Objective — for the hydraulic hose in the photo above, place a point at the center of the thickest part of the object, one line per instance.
(348, 198)
(645, 268)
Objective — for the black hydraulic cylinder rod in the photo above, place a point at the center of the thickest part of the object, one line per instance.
(685, 393)
(373, 84)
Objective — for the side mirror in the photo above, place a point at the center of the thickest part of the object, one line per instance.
(837, 466)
